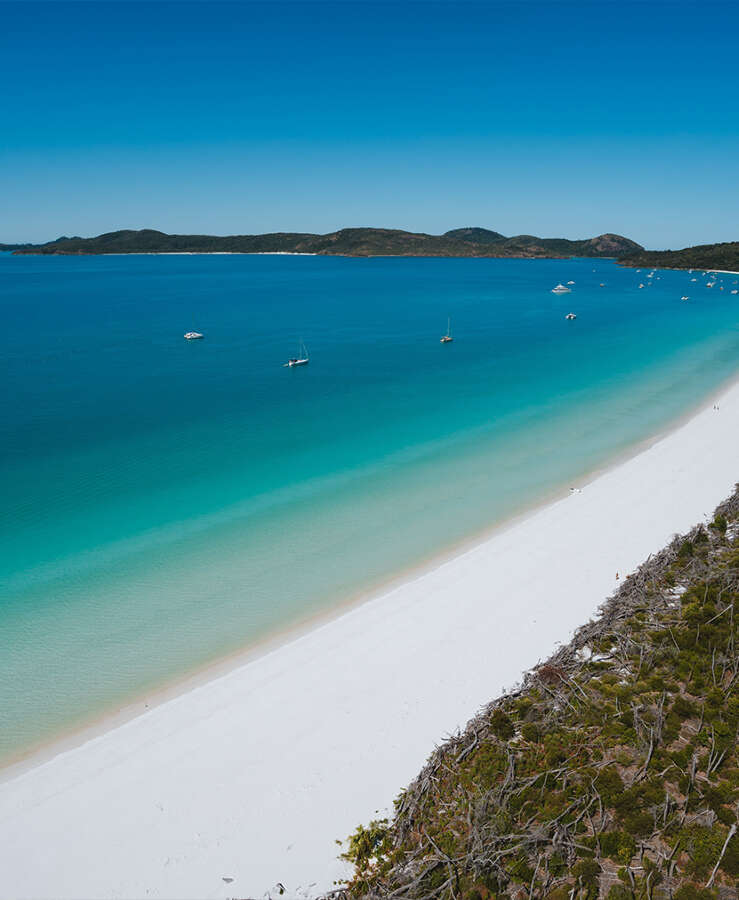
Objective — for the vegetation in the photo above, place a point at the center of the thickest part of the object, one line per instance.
(612, 772)
(347, 242)
(705, 256)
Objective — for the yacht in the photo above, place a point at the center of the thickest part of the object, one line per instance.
(560, 289)
(447, 338)
(685, 298)
(193, 336)
(302, 359)
(570, 316)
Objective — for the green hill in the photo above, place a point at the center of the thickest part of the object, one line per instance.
(613, 772)
(346, 242)
(704, 256)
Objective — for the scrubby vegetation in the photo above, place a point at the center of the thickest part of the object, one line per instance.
(705, 256)
(347, 242)
(612, 772)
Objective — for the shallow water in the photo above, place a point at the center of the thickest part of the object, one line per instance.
(167, 502)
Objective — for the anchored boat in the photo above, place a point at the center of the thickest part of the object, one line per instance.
(302, 359)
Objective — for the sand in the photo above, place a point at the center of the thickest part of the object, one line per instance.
(253, 775)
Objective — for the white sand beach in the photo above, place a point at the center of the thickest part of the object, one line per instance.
(248, 780)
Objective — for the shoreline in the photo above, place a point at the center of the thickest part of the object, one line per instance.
(102, 722)
(327, 701)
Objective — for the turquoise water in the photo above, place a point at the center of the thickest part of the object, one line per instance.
(167, 502)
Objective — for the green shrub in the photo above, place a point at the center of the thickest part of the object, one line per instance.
(501, 725)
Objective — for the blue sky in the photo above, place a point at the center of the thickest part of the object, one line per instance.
(551, 118)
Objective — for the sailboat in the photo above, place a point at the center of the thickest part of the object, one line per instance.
(447, 339)
(302, 359)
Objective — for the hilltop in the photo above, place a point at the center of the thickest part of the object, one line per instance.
(704, 256)
(612, 772)
(461, 242)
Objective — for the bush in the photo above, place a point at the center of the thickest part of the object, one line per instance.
(501, 725)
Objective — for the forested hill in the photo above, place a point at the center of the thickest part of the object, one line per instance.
(612, 773)
(347, 242)
(704, 256)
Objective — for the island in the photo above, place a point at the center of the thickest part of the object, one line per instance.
(718, 257)
(460, 242)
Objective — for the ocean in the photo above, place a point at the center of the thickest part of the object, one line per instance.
(166, 503)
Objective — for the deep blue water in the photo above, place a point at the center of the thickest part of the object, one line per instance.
(166, 502)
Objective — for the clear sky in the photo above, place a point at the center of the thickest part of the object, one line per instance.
(551, 118)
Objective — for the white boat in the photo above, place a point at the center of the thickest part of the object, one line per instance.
(685, 298)
(641, 285)
(447, 338)
(570, 282)
(570, 316)
(560, 289)
(735, 291)
(193, 336)
(302, 359)
(693, 279)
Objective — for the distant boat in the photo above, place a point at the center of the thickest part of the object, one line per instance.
(570, 316)
(193, 336)
(570, 282)
(447, 338)
(685, 298)
(735, 291)
(693, 279)
(641, 285)
(560, 289)
(602, 284)
(302, 359)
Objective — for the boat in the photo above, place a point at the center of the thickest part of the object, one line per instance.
(570, 316)
(685, 298)
(560, 289)
(302, 359)
(735, 291)
(641, 285)
(602, 284)
(447, 338)
(193, 336)
(570, 282)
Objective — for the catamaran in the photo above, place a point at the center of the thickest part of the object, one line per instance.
(302, 359)
(447, 338)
